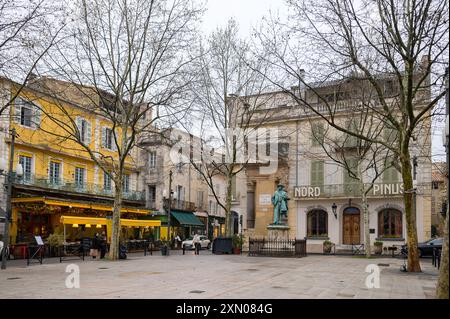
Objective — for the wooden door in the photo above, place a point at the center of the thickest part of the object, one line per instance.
(351, 229)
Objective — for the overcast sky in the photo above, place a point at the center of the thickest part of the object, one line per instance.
(248, 13)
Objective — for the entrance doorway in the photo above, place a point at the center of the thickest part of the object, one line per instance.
(351, 226)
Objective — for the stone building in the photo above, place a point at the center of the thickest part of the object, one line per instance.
(193, 208)
(325, 201)
(439, 196)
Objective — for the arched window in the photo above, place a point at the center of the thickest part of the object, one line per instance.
(390, 223)
(317, 223)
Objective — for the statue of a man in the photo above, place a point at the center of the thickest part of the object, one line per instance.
(279, 201)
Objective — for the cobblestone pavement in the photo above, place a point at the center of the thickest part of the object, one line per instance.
(218, 276)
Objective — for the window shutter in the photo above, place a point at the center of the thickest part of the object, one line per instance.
(317, 173)
(79, 126)
(104, 137)
(37, 116)
(17, 109)
(88, 137)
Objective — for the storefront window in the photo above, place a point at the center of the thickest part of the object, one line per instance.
(390, 223)
(317, 223)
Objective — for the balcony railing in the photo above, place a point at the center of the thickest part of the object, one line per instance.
(72, 186)
(180, 204)
(348, 190)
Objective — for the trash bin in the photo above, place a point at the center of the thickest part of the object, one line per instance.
(122, 252)
(222, 245)
(164, 250)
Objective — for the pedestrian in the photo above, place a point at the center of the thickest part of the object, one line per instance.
(177, 241)
(102, 244)
(196, 242)
(94, 247)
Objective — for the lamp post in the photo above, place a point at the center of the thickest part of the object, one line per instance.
(169, 204)
(334, 208)
(9, 182)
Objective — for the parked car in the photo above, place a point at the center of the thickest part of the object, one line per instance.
(204, 243)
(426, 248)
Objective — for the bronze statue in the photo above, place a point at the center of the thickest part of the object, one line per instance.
(279, 201)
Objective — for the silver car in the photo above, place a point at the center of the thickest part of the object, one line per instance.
(204, 243)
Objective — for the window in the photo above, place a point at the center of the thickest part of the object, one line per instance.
(25, 161)
(107, 138)
(85, 130)
(317, 134)
(80, 174)
(317, 223)
(55, 173)
(200, 199)
(151, 196)
(390, 223)
(317, 174)
(126, 183)
(25, 116)
(26, 113)
(180, 193)
(152, 159)
(435, 185)
(350, 183)
(389, 88)
(233, 188)
(106, 182)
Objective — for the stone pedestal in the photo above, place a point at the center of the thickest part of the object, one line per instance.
(278, 231)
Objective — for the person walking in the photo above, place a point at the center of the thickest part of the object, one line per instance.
(196, 242)
(95, 246)
(102, 244)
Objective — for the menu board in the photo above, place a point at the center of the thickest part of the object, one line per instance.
(39, 240)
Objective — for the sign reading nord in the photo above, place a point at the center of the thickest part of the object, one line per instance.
(342, 190)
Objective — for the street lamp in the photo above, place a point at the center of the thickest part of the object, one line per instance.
(10, 175)
(333, 209)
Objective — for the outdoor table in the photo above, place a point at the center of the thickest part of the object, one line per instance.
(20, 250)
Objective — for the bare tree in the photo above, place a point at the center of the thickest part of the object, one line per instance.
(405, 42)
(27, 32)
(227, 95)
(363, 160)
(125, 62)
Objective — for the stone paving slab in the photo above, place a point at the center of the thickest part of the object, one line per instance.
(218, 276)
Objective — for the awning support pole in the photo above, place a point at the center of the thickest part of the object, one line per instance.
(64, 238)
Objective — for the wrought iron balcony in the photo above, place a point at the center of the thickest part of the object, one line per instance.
(180, 204)
(348, 190)
(72, 186)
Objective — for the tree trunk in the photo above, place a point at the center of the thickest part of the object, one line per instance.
(228, 220)
(442, 286)
(366, 222)
(115, 236)
(410, 211)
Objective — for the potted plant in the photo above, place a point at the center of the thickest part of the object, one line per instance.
(55, 240)
(237, 244)
(327, 246)
(378, 247)
(165, 247)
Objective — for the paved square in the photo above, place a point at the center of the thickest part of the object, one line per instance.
(218, 276)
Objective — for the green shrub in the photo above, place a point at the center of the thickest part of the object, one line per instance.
(55, 239)
(327, 243)
(378, 243)
(237, 241)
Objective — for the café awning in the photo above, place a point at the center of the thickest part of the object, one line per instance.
(103, 221)
(187, 219)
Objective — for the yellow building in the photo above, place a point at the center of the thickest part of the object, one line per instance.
(59, 176)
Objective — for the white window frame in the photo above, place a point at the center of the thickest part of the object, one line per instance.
(152, 159)
(109, 184)
(30, 157)
(50, 177)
